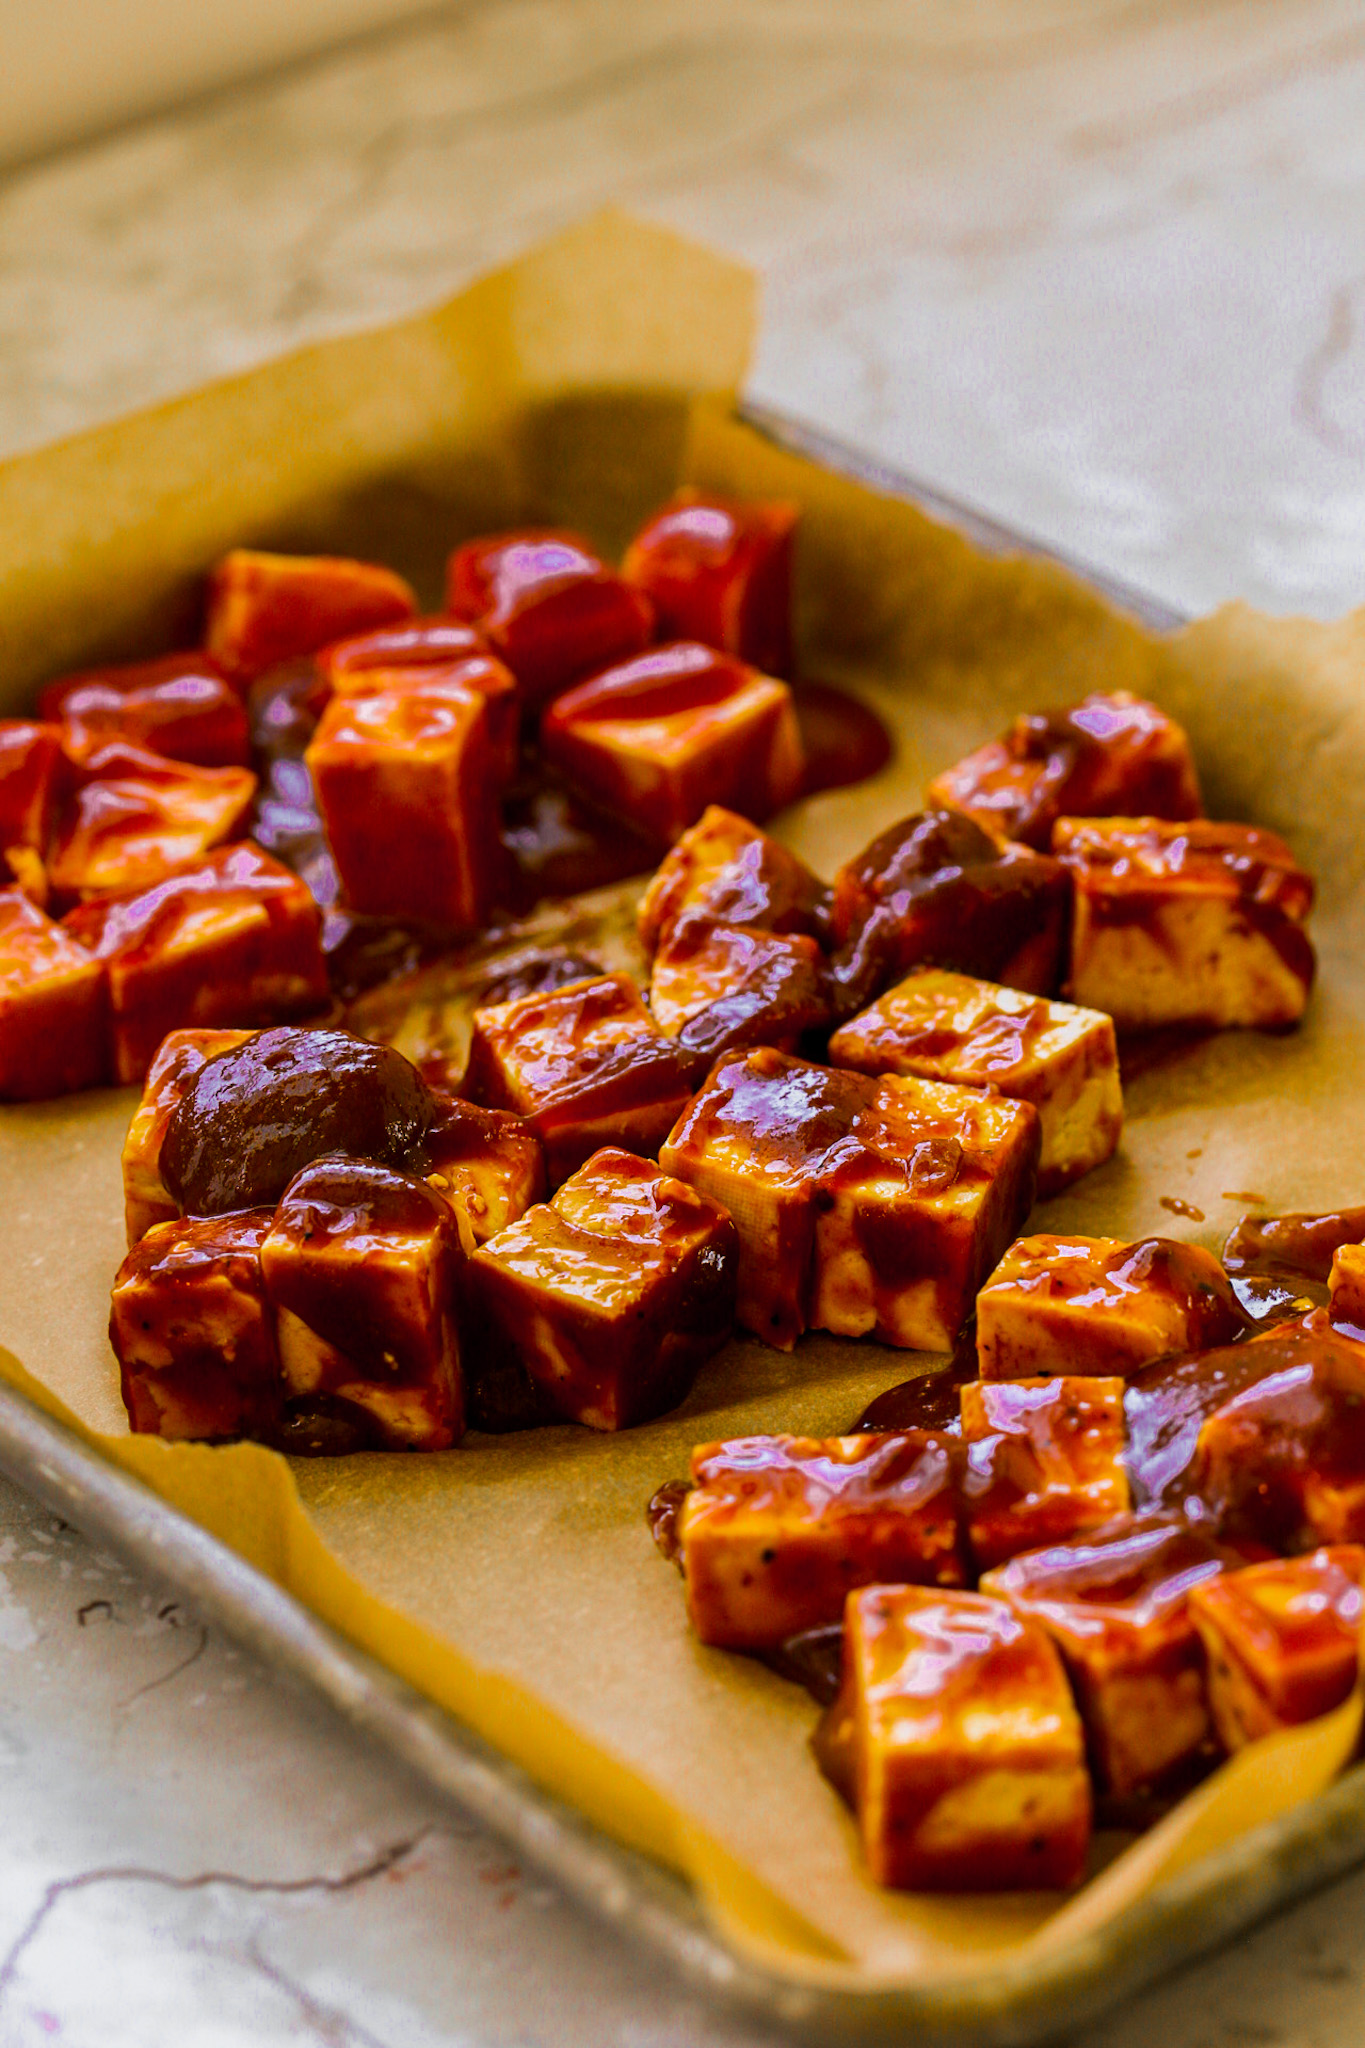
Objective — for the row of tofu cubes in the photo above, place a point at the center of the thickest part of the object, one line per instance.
(961, 1728)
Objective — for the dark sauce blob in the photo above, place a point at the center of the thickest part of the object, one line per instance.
(929, 1401)
(662, 1516)
(813, 1659)
(256, 1114)
(322, 1426)
(844, 740)
(560, 845)
(1300, 1243)
(539, 974)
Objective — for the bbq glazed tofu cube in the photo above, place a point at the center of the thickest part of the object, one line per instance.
(407, 784)
(490, 679)
(1347, 1290)
(547, 606)
(231, 942)
(937, 890)
(146, 1198)
(1282, 1462)
(612, 1294)
(30, 784)
(193, 1332)
(181, 707)
(136, 817)
(951, 1027)
(54, 1006)
(724, 870)
(1044, 1462)
(487, 1163)
(715, 986)
(659, 738)
(585, 1065)
(432, 640)
(863, 1206)
(264, 609)
(1112, 755)
(968, 1756)
(1096, 1305)
(777, 1531)
(719, 570)
(1283, 1640)
(361, 1265)
(1198, 925)
(1117, 1604)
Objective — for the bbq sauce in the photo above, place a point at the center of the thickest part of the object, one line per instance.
(255, 1114)
(843, 739)
(1298, 1243)
(662, 1512)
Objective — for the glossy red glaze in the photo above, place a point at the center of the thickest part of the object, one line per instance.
(267, 608)
(54, 1025)
(30, 783)
(182, 707)
(719, 570)
(135, 817)
(549, 606)
(1299, 1243)
(412, 643)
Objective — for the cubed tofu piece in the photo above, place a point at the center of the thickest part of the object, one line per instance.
(776, 1531)
(146, 1198)
(612, 1294)
(585, 1065)
(951, 1027)
(30, 783)
(264, 609)
(1112, 755)
(938, 890)
(488, 1164)
(482, 673)
(1198, 925)
(136, 817)
(193, 1332)
(434, 638)
(1116, 1603)
(863, 1206)
(727, 871)
(719, 570)
(231, 942)
(715, 986)
(1283, 1641)
(1044, 1462)
(547, 605)
(1347, 1284)
(361, 1265)
(181, 707)
(659, 738)
(54, 1006)
(968, 1755)
(1282, 1462)
(1098, 1305)
(407, 783)
(1169, 1401)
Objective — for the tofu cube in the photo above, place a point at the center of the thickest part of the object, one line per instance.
(231, 942)
(951, 1027)
(30, 783)
(1282, 1461)
(1117, 1604)
(407, 785)
(968, 1757)
(547, 606)
(361, 1265)
(777, 1531)
(193, 1332)
(180, 707)
(612, 1294)
(136, 817)
(727, 871)
(487, 1164)
(863, 1206)
(1044, 1462)
(719, 570)
(146, 1198)
(715, 986)
(659, 738)
(54, 1006)
(491, 679)
(1198, 925)
(1099, 1306)
(938, 890)
(264, 609)
(1112, 755)
(433, 639)
(585, 1065)
(1347, 1285)
(1283, 1641)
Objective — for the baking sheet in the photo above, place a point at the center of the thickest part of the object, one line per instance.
(514, 1580)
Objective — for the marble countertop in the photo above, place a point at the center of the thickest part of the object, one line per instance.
(1096, 266)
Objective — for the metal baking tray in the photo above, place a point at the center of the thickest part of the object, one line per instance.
(1004, 2007)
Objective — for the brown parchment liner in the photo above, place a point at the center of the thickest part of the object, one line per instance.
(514, 1579)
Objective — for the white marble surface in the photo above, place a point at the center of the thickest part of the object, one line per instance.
(1099, 267)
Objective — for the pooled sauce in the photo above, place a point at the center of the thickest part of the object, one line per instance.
(929, 1401)
(540, 973)
(561, 846)
(662, 1516)
(844, 740)
(1298, 1243)
(813, 1659)
(1142, 1051)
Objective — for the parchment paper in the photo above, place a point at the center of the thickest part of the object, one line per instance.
(514, 1579)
